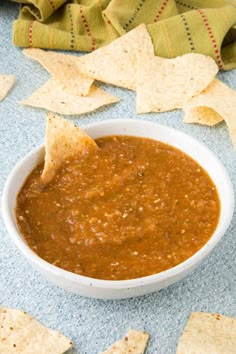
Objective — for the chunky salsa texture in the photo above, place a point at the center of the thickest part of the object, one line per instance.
(133, 208)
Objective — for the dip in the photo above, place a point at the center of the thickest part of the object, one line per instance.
(133, 208)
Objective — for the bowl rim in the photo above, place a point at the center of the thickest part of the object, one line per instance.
(114, 284)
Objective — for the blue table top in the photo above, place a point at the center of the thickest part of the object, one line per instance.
(94, 324)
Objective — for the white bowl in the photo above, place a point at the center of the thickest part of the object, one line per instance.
(106, 289)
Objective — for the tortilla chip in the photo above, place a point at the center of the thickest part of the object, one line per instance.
(220, 98)
(202, 115)
(64, 69)
(133, 343)
(64, 141)
(21, 334)
(167, 84)
(207, 333)
(53, 98)
(6, 83)
(116, 63)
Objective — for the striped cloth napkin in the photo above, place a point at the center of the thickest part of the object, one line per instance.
(176, 26)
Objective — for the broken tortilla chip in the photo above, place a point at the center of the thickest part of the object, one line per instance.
(6, 83)
(21, 334)
(208, 333)
(221, 99)
(167, 84)
(63, 68)
(134, 343)
(53, 98)
(202, 115)
(116, 63)
(63, 141)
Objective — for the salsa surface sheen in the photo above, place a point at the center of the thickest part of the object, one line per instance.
(135, 207)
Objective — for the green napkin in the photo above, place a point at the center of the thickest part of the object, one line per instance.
(176, 27)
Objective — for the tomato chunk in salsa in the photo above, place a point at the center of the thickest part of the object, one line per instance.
(133, 208)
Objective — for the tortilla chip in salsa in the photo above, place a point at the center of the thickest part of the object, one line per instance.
(64, 141)
(131, 208)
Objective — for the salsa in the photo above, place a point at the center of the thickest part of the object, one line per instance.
(133, 208)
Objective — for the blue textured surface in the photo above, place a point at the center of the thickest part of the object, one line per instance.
(94, 324)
